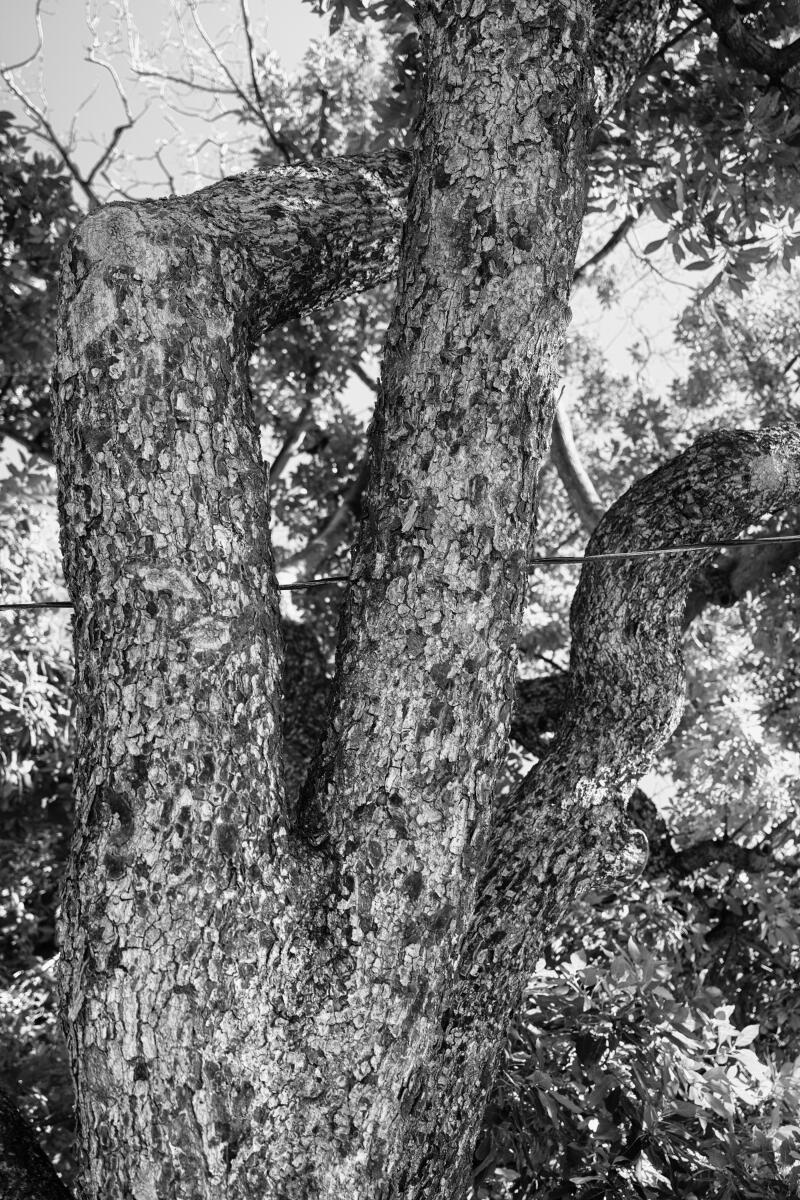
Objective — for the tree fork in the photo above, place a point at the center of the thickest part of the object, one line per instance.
(243, 1007)
(565, 830)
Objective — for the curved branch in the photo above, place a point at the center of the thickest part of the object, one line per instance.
(745, 45)
(312, 232)
(626, 677)
(565, 829)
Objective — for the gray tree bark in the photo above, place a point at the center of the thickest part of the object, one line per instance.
(264, 999)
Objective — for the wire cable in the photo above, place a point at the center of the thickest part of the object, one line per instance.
(535, 561)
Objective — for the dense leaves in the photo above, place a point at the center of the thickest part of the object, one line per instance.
(634, 1074)
(36, 214)
(35, 804)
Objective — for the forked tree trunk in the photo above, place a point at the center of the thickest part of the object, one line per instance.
(267, 1002)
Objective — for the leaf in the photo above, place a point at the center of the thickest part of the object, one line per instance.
(660, 209)
(748, 1035)
(651, 247)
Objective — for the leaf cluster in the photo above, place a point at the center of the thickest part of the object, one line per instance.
(37, 212)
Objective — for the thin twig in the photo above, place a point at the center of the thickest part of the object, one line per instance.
(52, 137)
(24, 62)
(609, 245)
(255, 109)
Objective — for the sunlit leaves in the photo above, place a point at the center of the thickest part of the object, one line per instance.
(713, 151)
(618, 1077)
(36, 214)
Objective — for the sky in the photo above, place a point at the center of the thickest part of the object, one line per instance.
(70, 89)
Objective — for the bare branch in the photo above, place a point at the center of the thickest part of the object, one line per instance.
(251, 53)
(24, 62)
(361, 374)
(50, 135)
(128, 123)
(610, 244)
(582, 493)
(288, 152)
(215, 88)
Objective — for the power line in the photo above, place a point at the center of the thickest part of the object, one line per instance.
(536, 561)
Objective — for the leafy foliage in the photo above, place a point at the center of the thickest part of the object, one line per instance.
(36, 214)
(35, 805)
(627, 1073)
(712, 148)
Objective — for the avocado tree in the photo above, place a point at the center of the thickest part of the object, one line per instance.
(297, 995)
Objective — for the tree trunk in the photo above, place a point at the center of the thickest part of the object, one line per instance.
(261, 1001)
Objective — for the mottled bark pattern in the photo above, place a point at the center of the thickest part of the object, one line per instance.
(251, 1012)
(627, 33)
(426, 657)
(178, 874)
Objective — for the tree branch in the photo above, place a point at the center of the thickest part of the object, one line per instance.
(582, 493)
(288, 152)
(315, 232)
(361, 374)
(298, 426)
(565, 829)
(322, 545)
(745, 45)
(52, 137)
(610, 244)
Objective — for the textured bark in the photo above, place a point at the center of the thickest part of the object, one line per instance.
(627, 33)
(178, 877)
(249, 1011)
(425, 667)
(25, 1173)
(565, 829)
(741, 571)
